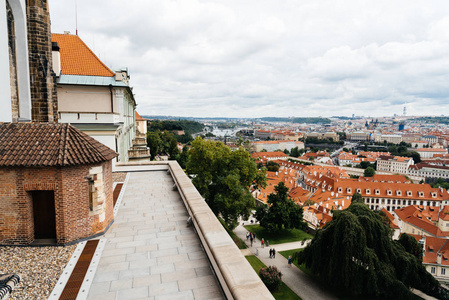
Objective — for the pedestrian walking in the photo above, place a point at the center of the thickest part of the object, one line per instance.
(247, 236)
(271, 253)
(274, 253)
(251, 239)
(289, 261)
(262, 242)
(268, 244)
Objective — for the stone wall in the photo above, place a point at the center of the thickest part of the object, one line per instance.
(42, 77)
(74, 220)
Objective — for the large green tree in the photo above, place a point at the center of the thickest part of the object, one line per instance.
(281, 213)
(355, 253)
(224, 177)
(369, 172)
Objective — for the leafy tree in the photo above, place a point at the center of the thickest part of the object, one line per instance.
(154, 142)
(183, 157)
(224, 177)
(295, 152)
(272, 166)
(357, 198)
(355, 253)
(440, 183)
(286, 151)
(282, 213)
(411, 245)
(369, 172)
(416, 157)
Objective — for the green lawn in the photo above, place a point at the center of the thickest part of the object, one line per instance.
(302, 267)
(238, 241)
(284, 292)
(279, 237)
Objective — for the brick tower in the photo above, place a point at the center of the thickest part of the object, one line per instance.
(42, 78)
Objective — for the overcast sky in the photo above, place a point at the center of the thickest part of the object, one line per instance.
(256, 58)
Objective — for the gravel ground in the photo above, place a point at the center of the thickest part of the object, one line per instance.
(119, 176)
(39, 268)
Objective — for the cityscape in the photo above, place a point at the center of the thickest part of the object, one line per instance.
(110, 188)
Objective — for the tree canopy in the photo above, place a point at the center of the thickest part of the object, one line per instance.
(369, 172)
(355, 253)
(224, 177)
(162, 143)
(282, 213)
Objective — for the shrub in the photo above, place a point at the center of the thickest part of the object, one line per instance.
(271, 277)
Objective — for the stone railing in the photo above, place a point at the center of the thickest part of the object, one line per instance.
(235, 275)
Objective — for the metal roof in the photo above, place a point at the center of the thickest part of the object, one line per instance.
(90, 80)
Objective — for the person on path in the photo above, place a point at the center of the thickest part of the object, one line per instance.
(289, 261)
(262, 242)
(251, 239)
(274, 253)
(268, 244)
(247, 236)
(271, 253)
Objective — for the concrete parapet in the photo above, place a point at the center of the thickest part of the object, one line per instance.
(236, 276)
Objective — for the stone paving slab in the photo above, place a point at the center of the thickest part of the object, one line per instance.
(151, 252)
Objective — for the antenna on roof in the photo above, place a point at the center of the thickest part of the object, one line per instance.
(76, 17)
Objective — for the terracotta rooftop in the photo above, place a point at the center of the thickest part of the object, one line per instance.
(77, 58)
(138, 117)
(44, 144)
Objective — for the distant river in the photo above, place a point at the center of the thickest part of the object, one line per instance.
(228, 131)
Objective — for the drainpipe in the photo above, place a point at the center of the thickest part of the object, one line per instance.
(112, 98)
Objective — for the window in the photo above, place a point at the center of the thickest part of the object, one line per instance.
(409, 193)
(432, 270)
(443, 271)
(91, 193)
(377, 192)
(348, 190)
(367, 191)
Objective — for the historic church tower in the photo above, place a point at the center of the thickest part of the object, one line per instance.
(42, 78)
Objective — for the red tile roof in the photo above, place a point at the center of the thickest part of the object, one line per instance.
(138, 117)
(77, 58)
(43, 144)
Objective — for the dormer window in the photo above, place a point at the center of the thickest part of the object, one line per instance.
(348, 190)
(398, 193)
(409, 193)
(434, 195)
(359, 191)
(421, 194)
(340, 190)
(389, 192)
(367, 191)
(377, 191)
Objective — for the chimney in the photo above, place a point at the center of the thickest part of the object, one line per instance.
(56, 58)
(343, 203)
(439, 258)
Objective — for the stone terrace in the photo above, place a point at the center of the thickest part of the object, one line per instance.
(151, 252)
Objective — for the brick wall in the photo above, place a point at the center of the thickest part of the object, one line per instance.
(42, 77)
(73, 219)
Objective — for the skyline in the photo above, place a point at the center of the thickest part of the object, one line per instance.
(258, 59)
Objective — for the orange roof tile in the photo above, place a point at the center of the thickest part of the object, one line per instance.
(138, 117)
(77, 58)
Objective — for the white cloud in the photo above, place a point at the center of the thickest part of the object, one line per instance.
(269, 58)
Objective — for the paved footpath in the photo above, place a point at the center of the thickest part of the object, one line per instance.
(294, 278)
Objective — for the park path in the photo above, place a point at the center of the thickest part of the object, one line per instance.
(293, 277)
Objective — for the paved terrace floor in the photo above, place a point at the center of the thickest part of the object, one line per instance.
(151, 252)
